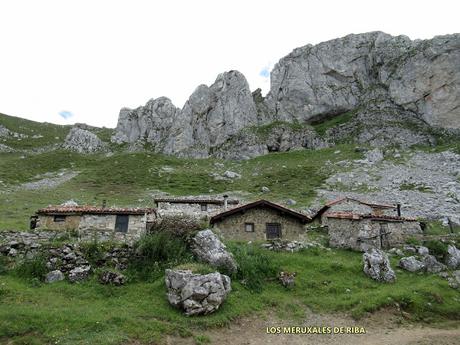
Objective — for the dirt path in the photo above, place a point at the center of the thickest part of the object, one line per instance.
(383, 328)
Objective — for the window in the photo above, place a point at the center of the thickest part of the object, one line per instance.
(204, 207)
(59, 219)
(121, 223)
(273, 230)
(249, 227)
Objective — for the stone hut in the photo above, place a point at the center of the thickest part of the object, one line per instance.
(361, 225)
(260, 220)
(97, 222)
(195, 206)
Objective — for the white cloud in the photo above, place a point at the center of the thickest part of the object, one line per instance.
(111, 54)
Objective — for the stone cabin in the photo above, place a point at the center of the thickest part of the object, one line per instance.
(260, 220)
(96, 222)
(361, 225)
(196, 206)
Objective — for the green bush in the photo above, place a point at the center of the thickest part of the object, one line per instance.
(437, 248)
(3, 264)
(413, 241)
(154, 252)
(255, 266)
(33, 269)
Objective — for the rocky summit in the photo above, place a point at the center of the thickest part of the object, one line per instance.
(379, 89)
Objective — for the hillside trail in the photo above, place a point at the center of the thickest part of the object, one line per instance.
(382, 328)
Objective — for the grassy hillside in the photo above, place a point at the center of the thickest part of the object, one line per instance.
(130, 179)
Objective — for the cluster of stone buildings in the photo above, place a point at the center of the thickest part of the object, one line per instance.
(350, 223)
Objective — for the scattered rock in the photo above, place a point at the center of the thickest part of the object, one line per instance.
(423, 251)
(453, 257)
(374, 156)
(291, 202)
(231, 174)
(432, 265)
(194, 293)
(411, 264)
(265, 189)
(207, 247)
(377, 266)
(287, 279)
(54, 276)
(454, 281)
(79, 274)
(112, 278)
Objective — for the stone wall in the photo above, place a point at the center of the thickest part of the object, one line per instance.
(233, 227)
(364, 234)
(47, 222)
(194, 210)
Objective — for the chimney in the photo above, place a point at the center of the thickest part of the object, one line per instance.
(398, 209)
(104, 203)
(225, 201)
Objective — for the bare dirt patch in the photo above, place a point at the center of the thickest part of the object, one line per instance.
(382, 328)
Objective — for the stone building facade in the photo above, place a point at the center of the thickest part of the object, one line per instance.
(260, 220)
(360, 225)
(97, 222)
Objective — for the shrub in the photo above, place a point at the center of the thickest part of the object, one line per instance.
(4, 263)
(413, 241)
(34, 269)
(94, 251)
(156, 251)
(255, 266)
(178, 226)
(437, 248)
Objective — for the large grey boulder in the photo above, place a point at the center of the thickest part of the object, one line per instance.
(453, 257)
(411, 264)
(432, 265)
(377, 266)
(83, 141)
(208, 248)
(194, 293)
(54, 276)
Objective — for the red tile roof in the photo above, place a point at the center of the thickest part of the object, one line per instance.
(261, 203)
(196, 201)
(355, 216)
(93, 210)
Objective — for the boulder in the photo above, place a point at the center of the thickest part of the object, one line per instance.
(287, 279)
(265, 189)
(432, 265)
(231, 174)
(79, 274)
(374, 156)
(377, 266)
(208, 248)
(291, 202)
(453, 257)
(411, 264)
(54, 276)
(195, 293)
(454, 281)
(112, 278)
(421, 250)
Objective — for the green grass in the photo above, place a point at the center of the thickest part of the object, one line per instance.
(322, 127)
(415, 187)
(89, 312)
(130, 179)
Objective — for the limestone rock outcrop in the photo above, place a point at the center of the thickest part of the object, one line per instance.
(195, 293)
(453, 257)
(385, 90)
(83, 141)
(411, 264)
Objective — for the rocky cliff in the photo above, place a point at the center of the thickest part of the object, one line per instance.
(390, 90)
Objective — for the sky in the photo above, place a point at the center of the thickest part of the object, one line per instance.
(65, 61)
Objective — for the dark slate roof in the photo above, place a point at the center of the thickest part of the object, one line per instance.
(78, 210)
(260, 204)
(216, 201)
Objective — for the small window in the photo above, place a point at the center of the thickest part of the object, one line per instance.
(121, 223)
(204, 207)
(59, 219)
(249, 227)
